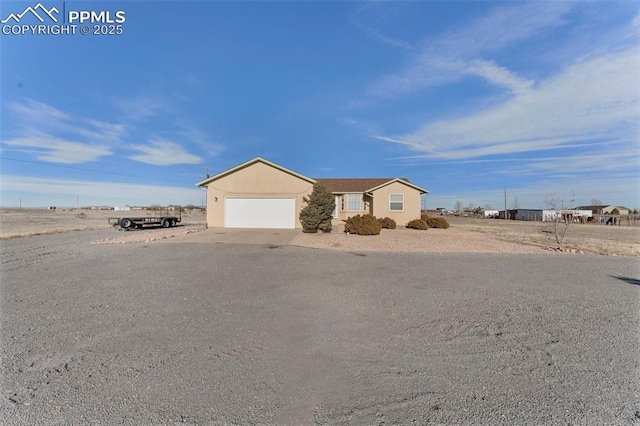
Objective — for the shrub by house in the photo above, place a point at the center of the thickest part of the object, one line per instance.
(362, 225)
(418, 224)
(387, 223)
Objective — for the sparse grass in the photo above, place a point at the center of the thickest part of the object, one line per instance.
(15, 223)
(598, 239)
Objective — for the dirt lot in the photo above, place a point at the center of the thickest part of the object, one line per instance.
(186, 333)
(597, 239)
(466, 235)
(16, 223)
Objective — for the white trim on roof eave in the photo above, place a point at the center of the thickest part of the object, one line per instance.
(375, 188)
(208, 180)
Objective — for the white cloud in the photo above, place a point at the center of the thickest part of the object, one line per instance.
(141, 107)
(163, 153)
(55, 150)
(63, 191)
(29, 109)
(55, 136)
(499, 76)
(390, 41)
(442, 60)
(596, 99)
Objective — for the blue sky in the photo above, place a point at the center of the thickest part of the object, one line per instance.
(462, 98)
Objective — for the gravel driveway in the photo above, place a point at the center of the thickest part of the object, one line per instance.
(249, 334)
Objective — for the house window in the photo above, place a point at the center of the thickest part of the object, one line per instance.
(396, 202)
(342, 203)
(353, 202)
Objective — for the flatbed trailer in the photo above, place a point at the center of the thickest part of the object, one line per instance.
(125, 223)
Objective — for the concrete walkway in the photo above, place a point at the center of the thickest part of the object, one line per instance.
(278, 237)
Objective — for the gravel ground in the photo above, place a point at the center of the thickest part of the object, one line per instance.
(248, 334)
(450, 240)
(149, 234)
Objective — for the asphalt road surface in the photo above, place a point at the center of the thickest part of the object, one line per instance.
(264, 334)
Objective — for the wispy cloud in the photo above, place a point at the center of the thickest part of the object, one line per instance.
(141, 107)
(390, 41)
(449, 57)
(497, 75)
(56, 136)
(163, 153)
(55, 150)
(593, 100)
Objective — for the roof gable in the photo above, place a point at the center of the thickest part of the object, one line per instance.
(402, 181)
(249, 163)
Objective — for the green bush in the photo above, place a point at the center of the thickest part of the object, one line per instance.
(437, 222)
(318, 212)
(362, 225)
(387, 223)
(418, 224)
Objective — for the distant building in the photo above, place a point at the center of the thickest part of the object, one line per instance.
(606, 209)
(491, 213)
(122, 208)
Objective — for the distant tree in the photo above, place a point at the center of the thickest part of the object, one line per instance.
(458, 207)
(318, 212)
(596, 202)
(471, 207)
(516, 204)
(561, 222)
(488, 207)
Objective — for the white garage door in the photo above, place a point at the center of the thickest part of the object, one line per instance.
(260, 213)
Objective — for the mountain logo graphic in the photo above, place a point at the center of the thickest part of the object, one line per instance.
(34, 11)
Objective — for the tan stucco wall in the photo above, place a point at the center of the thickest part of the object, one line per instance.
(365, 207)
(411, 203)
(256, 180)
(378, 205)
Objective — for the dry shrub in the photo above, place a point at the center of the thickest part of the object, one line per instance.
(437, 222)
(418, 224)
(387, 223)
(362, 225)
(424, 217)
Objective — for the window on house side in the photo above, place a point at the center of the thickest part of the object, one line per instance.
(396, 202)
(353, 202)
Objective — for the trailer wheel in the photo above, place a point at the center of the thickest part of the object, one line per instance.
(166, 223)
(172, 223)
(126, 223)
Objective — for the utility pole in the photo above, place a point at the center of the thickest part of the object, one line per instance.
(77, 196)
(20, 203)
(206, 172)
(505, 204)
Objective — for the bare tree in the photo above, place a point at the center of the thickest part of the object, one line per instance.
(561, 219)
(516, 204)
(596, 202)
(488, 207)
(471, 207)
(458, 207)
